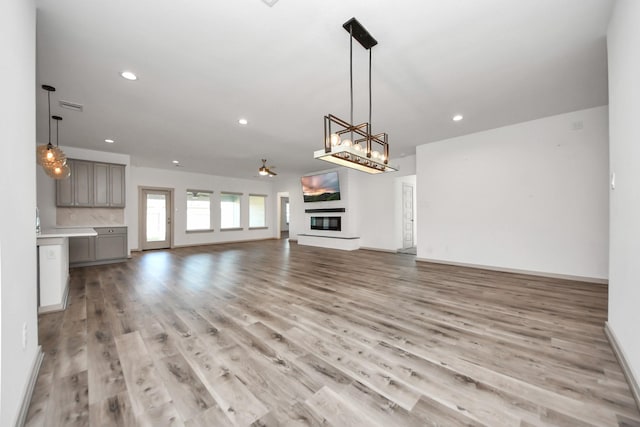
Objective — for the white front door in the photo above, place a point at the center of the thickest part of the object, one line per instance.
(407, 216)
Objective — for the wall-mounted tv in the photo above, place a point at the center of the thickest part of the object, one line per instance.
(321, 188)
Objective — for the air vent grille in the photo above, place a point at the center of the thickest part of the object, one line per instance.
(71, 105)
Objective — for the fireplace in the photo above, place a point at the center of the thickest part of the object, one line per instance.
(331, 223)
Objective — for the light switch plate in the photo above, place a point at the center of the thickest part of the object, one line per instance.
(613, 181)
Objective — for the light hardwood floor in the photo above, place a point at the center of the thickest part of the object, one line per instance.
(273, 333)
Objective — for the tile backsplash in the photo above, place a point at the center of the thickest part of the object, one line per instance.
(89, 216)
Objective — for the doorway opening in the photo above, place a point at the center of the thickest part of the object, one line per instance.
(284, 215)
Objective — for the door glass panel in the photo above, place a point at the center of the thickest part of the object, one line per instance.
(156, 217)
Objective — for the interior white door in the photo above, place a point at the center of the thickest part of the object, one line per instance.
(156, 219)
(407, 216)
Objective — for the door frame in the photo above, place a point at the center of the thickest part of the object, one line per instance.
(141, 214)
(413, 215)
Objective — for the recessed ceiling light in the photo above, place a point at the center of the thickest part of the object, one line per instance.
(457, 117)
(109, 141)
(243, 121)
(175, 162)
(129, 75)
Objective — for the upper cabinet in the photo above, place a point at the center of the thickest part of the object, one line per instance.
(82, 177)
(92, 185)
(116, 186)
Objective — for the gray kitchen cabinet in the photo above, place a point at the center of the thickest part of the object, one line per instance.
(110, 245)
(82, 176)
(82, 249)
(100, 185)
(92, 185)
(116, 186)
(64, 189)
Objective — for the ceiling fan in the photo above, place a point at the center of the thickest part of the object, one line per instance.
(266, 171)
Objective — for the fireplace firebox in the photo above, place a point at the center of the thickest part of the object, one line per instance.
(331, 223)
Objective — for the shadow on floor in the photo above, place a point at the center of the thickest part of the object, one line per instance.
(409, 251)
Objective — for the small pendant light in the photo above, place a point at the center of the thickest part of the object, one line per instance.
(49, 156)
(59, 169)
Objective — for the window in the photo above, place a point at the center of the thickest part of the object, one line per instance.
(198, 210)
(257, 211)
(230, 210)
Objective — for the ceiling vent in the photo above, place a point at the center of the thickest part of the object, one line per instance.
(71, 106)
(270, 3)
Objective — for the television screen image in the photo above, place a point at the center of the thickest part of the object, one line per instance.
(321, 188)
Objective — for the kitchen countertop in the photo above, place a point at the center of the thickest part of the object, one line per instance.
(66, 232)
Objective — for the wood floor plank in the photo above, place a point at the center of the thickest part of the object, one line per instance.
(112, 411)
(272, 333)
(105, 373)
(189, 395)
(70, 402)
(336, 412)
(146, 390)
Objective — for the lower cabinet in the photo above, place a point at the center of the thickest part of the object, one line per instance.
(110, 245)
(82, 249)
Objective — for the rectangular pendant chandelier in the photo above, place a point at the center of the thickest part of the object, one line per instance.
(350, 145)
(360, 153)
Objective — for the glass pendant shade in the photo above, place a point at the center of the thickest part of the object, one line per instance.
(49, 154)
(60, 171)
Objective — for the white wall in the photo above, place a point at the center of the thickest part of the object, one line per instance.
(373, 205)
(297, 221)
(181, 181)
(380, 200)
(18, 291)
(624, 250)
(532, 196)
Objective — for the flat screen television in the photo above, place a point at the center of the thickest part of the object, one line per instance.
(321, 188)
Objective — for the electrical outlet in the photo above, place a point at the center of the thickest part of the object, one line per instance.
(24, 335)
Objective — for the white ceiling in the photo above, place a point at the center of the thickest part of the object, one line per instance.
(203, 64)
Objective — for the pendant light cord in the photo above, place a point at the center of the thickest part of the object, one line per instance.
(49, 101)
(57, 134)
(370, 124)
(351, 74)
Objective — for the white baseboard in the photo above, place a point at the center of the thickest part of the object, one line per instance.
(31, 385)
(368, 248)
(634, 385)
(518, 271)
(191, 245)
